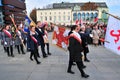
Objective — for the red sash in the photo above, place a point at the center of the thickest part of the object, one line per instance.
(74, 36)
(7, 33)
(35, 40)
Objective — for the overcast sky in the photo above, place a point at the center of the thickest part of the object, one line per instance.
(113, 5)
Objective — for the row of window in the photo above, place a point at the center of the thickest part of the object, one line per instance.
(55, 13)
(55, 18)
(83, 15)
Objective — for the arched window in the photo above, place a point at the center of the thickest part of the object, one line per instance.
(95, 15)
(91, 16)
(87, 16)
(74, 16)
(79, 16)
(83, 16)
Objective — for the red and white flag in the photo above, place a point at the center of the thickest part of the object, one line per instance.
(60, 37)
(113, 35)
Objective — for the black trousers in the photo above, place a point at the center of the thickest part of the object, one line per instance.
(34, 53)
(11, 50)
(20, 47)
(43, 50)
(79, 65)
(47, 44)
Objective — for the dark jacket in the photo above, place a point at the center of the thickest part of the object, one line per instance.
(31, 44)
(75, 49)
(40, 36)
(84, 42)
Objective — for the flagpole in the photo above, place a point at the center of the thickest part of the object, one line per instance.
(111, 15)
(12, 19)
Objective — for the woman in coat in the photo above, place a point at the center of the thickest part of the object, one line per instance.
(33, 44)
(19, 40)
(8, 40)
(75, 49)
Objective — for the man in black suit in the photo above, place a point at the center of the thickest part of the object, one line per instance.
(40, 32)
(75, 49)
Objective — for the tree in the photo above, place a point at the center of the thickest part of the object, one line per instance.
(89, 6)
(33, 15)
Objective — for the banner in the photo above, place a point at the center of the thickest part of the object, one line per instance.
(29, 21)
(60, 37)
(113, 35)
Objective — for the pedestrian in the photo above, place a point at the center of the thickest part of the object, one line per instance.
(33, 44)
(39, 29)
(46, 40)
(75, 49)
(19, 40)
(84, 37)
(96, 35)
(8, 40)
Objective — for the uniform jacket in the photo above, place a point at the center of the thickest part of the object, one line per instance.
(75, 48)
(7, 41)
(84, 41)
(40, 36)
(31, 45)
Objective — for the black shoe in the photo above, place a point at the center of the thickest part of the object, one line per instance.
(45, 56)
(49, 53)
(85, 76)
(38, 56)
(86, 60)
(71, 72)
(31, 59)
(8, 55)
(23, 52)
(12, 55)
(38, 62)
(83, 66)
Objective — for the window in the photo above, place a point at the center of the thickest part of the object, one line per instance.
(50, 13)
(79, 16)
(59, 18)
(68, 12)
(45, 18)
(54, 12)
(74, 16)
(83, 16)
(68, 18)
(41, 18)
(41, 13)
(64, 18)
(59, 13)
(50, 18)
(54, 18)
(64, 13)
(95, 15)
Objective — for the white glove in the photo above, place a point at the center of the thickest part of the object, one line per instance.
(5, 43)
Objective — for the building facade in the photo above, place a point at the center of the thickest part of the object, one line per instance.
(8, 7)
(68, 13)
